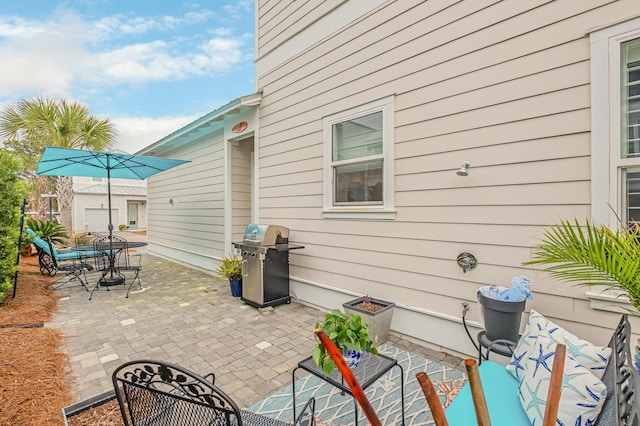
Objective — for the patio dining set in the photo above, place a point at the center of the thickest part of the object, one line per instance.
(109, 255)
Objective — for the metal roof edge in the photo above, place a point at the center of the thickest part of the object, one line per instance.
(242, 102)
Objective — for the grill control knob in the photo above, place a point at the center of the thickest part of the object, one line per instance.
(245, 252)
(253, 254)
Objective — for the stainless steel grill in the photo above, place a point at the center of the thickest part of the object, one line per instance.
(265, 265)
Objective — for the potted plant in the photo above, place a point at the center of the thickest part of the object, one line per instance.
(350, 335)
(376, 313)
(230, 267)
(593, 255)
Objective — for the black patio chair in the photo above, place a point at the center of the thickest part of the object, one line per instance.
(73, 267)
(87, 238)
(123, 261)
(160, 393)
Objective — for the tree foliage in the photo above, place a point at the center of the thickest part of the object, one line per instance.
(11, 198)
(31, 124)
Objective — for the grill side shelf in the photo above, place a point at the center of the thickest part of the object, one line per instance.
(286, 247)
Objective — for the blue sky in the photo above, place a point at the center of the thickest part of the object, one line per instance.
(150, 66)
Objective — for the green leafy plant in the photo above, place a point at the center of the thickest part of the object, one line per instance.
(122, 227)
(346, 332)
(230, 267)
(593, 255)
(11, 197)
(52, 230)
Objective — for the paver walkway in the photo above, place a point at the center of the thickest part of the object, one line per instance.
(189, 318)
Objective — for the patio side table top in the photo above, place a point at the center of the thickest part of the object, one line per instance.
(370, 369)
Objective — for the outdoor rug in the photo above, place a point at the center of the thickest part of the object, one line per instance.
(335, 409)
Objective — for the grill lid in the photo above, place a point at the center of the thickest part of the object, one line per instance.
(265, 235)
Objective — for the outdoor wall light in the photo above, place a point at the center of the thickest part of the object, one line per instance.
(171, 201)
(464, 170)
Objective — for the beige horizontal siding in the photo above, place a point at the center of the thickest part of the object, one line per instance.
(240, 188)
(502, 84)
(195, 222)
(279, 19)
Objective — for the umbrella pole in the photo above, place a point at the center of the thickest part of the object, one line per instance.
(111, 254)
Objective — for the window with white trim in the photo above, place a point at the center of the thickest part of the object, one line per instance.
(630, 130)
(358, 162)
(615, 133)
(615, 122)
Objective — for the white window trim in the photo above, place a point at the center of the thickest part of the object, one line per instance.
(605, 117)
(606, 176)
(387, 209)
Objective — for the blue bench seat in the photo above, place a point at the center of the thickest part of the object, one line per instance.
(501, 392)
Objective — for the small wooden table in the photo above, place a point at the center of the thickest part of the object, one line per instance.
(370, 369)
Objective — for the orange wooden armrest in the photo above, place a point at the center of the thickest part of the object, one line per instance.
(348, 376)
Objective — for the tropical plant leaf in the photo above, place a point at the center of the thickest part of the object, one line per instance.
(592, 255)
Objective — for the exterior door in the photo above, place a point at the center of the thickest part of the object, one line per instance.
(132, 215)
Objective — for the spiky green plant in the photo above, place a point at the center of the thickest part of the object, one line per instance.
(43, 229)
(230, 267)
(592, 255)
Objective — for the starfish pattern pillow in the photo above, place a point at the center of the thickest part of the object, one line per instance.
(582, 395)
(592, 357)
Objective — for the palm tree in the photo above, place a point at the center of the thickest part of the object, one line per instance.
(32, 124)
(593, 255)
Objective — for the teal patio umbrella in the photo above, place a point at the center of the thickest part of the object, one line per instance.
(78, 162)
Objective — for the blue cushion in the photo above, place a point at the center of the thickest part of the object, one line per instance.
(500, 391)
(67, 255)
(42, 244)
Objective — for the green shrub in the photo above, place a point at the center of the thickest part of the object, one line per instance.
(11, 198)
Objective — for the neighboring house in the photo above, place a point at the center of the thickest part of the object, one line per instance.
(367, 108)
(90, 204)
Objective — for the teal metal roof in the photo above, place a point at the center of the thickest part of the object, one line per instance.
(203, 126)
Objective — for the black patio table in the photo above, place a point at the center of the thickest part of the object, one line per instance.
(110, 249)
(370, 369)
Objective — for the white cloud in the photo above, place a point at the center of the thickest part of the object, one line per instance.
(39, 60)
(49, 58)
(158, 61)
(135, 133)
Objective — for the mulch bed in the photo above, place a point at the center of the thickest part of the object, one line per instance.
(33, 367)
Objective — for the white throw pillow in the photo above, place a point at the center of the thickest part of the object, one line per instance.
(582, 395)
(594, 358)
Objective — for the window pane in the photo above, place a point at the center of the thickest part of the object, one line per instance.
(630, 79)
(359, 183)
(360, 137)
(633, 195)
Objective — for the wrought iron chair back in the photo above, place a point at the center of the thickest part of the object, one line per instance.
(123, 259)
(87, 238)
(160, 393)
